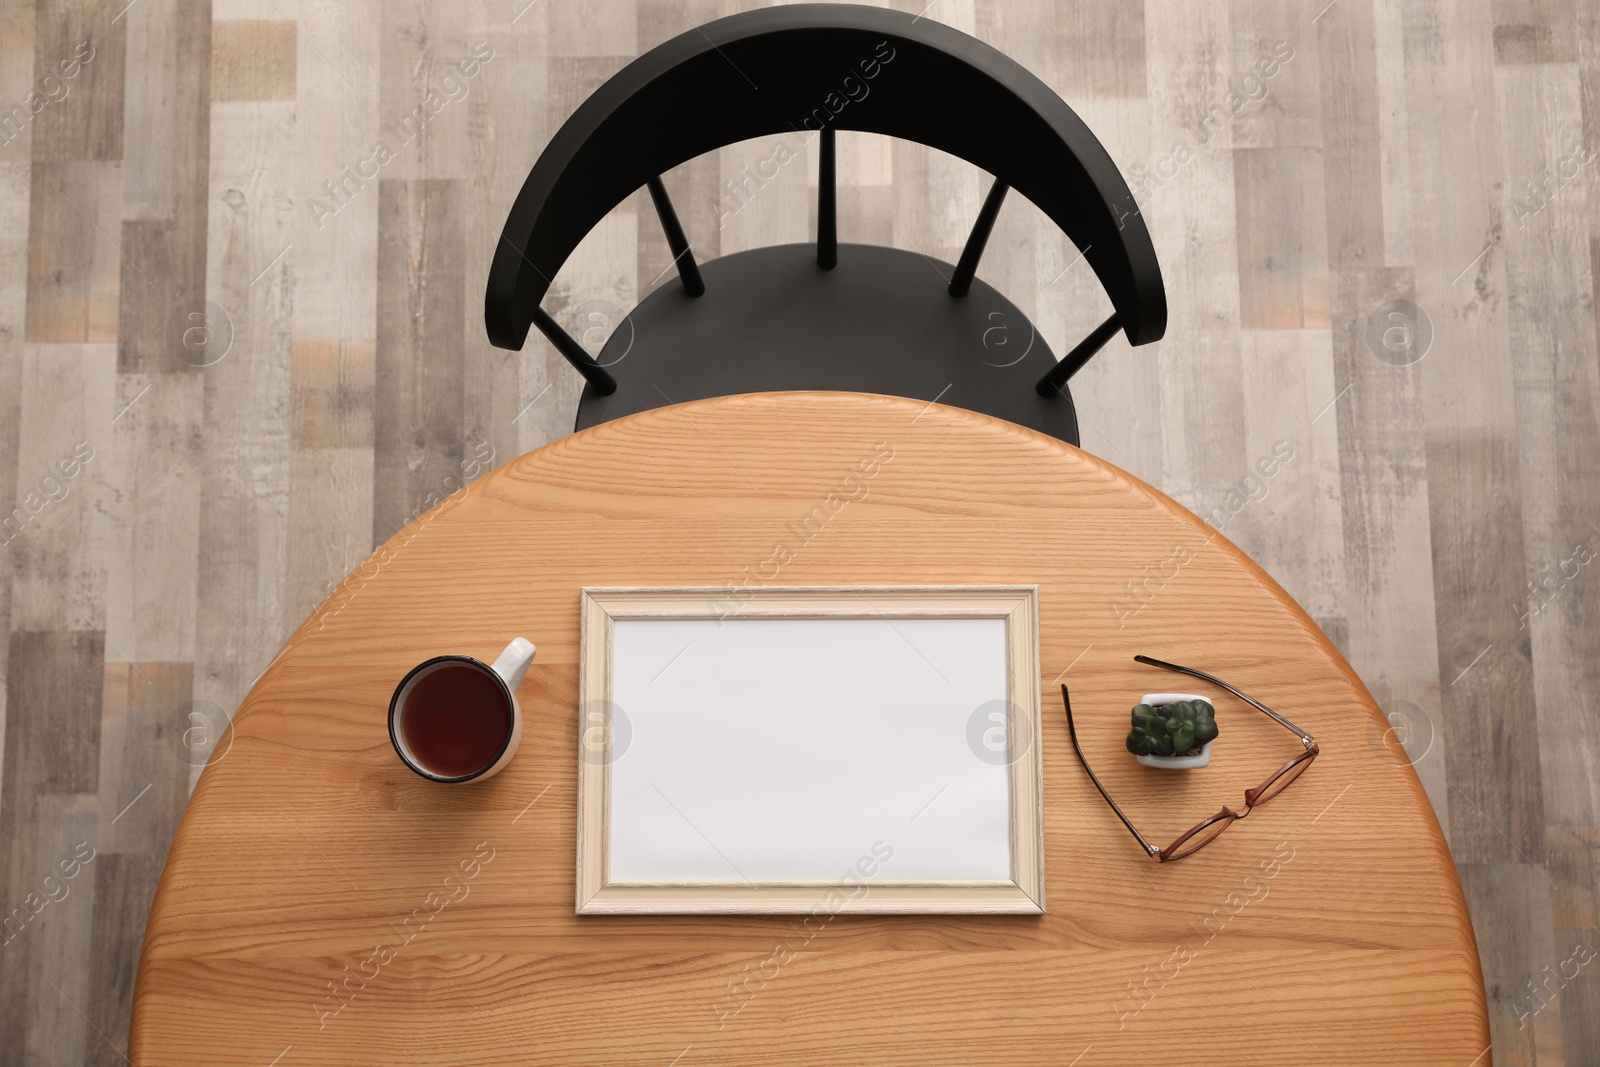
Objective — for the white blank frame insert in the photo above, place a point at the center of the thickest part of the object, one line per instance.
(822, 750)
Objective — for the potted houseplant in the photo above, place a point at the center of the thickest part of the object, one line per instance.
(1173, 730)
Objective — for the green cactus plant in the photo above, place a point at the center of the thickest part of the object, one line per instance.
(1177, 729)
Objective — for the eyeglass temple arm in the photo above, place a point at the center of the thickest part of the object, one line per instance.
(1252, 701)
(1073, 733)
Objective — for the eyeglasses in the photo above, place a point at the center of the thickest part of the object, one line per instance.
(1208, 830)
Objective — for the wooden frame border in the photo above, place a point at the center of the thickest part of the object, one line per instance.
(1018, 605)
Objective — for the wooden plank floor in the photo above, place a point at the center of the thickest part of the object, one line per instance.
(239, 346)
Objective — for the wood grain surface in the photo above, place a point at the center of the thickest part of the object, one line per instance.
(324, 905)
(1308, 170)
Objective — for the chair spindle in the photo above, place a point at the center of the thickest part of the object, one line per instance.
(827, 203)
(1056, 377)
(567, 345)
(968, 267)
(682, 257)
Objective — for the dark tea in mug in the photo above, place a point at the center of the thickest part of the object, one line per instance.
(454, 718)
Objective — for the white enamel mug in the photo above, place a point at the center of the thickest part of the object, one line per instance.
(456, 718)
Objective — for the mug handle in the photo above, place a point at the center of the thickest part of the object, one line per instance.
(513, 663)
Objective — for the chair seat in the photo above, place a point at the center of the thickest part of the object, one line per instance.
(882, 321)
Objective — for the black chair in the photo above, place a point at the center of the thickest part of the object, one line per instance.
(848, 317)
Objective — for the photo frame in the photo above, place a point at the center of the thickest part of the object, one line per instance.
(789, 757)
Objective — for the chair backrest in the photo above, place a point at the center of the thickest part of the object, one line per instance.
(808, 67)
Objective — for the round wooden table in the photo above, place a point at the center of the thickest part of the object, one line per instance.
(1326, 928)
